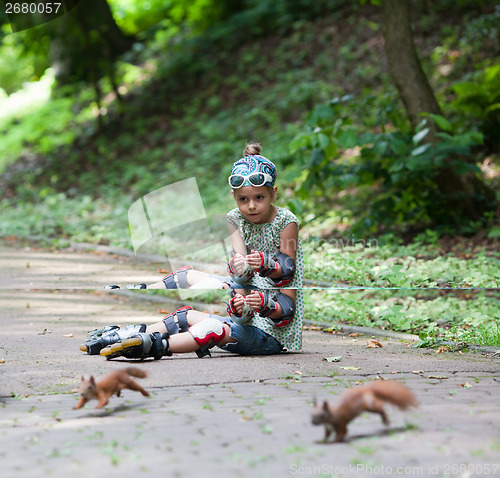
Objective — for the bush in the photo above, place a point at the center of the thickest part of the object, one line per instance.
(399, 167)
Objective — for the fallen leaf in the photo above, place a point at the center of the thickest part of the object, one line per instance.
(373, 344)
(338, 358)
(350, 368)
(418, 372)
(357, 334)
(68, 335)
(298, 372)
(465, 385)
(439, 377)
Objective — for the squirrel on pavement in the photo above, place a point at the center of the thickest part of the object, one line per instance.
(355, 401)
(111, 384)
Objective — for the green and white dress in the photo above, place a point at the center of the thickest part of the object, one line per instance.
(266, 238)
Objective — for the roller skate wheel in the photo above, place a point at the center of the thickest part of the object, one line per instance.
(84, 348)
(131, 342)
(106, 351)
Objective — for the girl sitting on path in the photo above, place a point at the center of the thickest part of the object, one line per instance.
(265, 317)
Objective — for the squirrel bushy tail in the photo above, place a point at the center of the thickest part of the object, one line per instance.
(136, 372)
(393, 392)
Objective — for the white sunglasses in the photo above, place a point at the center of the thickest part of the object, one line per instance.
(254, 179)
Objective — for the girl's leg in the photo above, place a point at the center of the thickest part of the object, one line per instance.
(168, 336)
(181, 280)
(182, 342)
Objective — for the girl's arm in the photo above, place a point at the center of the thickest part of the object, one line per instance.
(288, 245)
(237, 242)
(240, 249)
(289, 240)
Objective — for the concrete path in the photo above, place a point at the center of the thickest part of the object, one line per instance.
(225, 415)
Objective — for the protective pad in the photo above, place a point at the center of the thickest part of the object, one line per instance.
(181, 283)
(287, 310)
(246, 314)
(208, 283)
(246, 274)
(207, 334)
(287, 269)
(181, 324)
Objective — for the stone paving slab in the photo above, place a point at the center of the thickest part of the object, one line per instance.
(249, 429)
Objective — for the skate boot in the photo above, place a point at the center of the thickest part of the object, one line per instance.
(137, 286)
(140, 346)
(100, 338)
(130, 286)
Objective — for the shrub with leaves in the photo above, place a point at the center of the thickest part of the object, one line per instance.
(384, 155)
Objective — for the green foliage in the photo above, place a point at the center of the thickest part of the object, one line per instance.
(46, 129)
(401, 167)
(478, 100)
(467, 317)
(380, 263)
(60, 218)
(23, 58)
(134, 16)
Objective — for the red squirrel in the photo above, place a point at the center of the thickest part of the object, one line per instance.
(112, 383)
(355, 401)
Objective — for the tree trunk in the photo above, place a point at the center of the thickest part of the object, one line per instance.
(86, 39)
(463, 195)
(404, 65)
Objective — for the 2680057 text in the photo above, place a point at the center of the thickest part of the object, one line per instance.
(32, 7)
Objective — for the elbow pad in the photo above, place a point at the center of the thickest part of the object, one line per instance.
(269, 306)
(270, 264)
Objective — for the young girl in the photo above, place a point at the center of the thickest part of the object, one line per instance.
(265, 276)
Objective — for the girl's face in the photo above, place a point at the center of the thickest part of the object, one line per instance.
(255, 203)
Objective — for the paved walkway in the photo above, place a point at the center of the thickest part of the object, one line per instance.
(227, 415)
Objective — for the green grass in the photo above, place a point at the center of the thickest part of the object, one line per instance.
(467, 317)
(385, 264)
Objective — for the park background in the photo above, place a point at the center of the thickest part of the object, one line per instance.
(382, 117)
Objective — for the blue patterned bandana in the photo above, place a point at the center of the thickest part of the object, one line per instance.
(254, 164)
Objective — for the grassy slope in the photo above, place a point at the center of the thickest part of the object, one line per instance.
(196, 122)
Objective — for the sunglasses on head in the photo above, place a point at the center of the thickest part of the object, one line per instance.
(254, 179)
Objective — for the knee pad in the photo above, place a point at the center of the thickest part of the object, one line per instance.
(207, 333)
(181, 324)
(181, 282)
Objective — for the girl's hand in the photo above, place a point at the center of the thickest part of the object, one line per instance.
(254, 300)
(238, 263)
(254, 260)
(238, 303)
